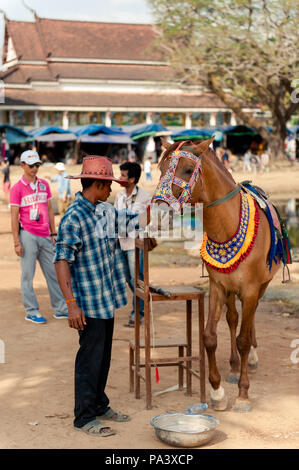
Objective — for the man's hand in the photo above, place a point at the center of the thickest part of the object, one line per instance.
(19, 249)
(76, 316)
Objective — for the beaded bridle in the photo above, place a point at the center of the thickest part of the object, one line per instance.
(164, 190)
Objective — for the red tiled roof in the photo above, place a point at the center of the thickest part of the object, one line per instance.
(111, 71)
(82, 39)
(26, 40)
(21, 73)
(111, 100)
(98, 40)
(25, 73)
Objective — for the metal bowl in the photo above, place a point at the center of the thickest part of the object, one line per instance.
(184, 430)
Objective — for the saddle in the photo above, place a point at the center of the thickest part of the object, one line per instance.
(280, 244)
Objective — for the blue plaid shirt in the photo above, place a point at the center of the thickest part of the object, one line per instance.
(88, 240)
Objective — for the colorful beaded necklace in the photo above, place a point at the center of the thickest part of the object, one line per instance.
(225, 257)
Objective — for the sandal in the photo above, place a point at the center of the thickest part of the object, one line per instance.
(112, 415)
(96, 428)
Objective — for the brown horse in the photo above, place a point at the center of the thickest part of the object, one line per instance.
(250, 278)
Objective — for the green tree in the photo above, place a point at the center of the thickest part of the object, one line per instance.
(246, 52)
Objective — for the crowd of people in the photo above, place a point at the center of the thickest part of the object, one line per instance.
(251, 162)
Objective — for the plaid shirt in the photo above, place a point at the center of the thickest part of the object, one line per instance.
(88, 240)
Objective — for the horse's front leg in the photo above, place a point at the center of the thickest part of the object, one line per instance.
(232, 320)
(244, 340)
(216, 302)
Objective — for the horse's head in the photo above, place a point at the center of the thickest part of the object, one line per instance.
(181, 173)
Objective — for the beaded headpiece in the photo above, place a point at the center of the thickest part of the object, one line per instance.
(164, 192)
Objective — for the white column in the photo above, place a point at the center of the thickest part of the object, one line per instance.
(213, 119)
(188, 122)
(65, 120)
(11, 117)
(233, 121)
(148, 118)
(108, 118)
(36, 119)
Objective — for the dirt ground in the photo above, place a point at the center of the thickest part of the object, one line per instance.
(36, 379)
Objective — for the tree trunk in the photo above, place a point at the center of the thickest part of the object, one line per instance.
(276, 147)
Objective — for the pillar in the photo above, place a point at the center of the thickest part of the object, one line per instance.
(213, 119)
(188, 122)
(36, 119)
(148, 118)
(65, 120)
(108, 118)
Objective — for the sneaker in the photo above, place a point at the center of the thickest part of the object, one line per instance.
(58, 316)
(131, 323)
(36, 318)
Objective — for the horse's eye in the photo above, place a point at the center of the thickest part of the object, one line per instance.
(189, 171)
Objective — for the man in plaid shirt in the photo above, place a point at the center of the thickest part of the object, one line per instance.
(91, 276)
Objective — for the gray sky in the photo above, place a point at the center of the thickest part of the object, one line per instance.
(119, 11)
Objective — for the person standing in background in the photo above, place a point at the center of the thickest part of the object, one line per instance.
(246, 161)
(6, 179)
(63, 187)
(148, 169)
(33, 225)
(134, 199)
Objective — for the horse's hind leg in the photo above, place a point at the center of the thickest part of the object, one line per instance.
(232, 317)
(216, 302)
(253, 357)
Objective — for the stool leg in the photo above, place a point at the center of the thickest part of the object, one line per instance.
(137, 346)
(147, 345)
(181, 369)
(202, 371)
(131, 371)
(189, 344)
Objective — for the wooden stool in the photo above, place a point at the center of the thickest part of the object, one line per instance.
(184, 358)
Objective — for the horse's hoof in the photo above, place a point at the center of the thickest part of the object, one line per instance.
(218, 399)
(242, 406)
(233, 378)
(252, 367)
(219, 405)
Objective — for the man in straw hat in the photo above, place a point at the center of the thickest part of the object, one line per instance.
(91, 275)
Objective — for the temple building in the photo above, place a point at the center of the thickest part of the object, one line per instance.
(70, 73)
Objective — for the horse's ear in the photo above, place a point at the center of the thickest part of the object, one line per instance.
(165, 145)
(203, 146)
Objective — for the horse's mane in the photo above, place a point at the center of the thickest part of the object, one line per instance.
(213, 157)
(210, 153)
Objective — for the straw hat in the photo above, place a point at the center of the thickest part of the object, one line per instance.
(97, 167)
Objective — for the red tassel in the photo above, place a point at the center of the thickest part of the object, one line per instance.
(157, 375)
